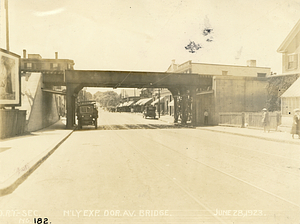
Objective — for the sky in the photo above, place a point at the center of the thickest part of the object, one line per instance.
(146, 35)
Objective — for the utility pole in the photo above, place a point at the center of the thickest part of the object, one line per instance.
(7, 28)
(158, 103)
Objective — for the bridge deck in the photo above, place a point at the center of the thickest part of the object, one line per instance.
(126, 79)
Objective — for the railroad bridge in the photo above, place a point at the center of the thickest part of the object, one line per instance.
(183, 86)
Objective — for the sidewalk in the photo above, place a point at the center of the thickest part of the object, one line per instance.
(277, 136)
(255, 133)
(167, 118)
(21, 155)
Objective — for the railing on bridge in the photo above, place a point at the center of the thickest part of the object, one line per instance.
(249, 119)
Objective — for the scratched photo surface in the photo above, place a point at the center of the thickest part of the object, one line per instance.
(161, 111)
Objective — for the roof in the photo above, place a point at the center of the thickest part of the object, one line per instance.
(294, 90)
(291, 37)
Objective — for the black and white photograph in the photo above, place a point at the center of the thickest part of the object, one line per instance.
(149, 111)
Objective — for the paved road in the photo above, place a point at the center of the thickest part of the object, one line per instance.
(135, 170)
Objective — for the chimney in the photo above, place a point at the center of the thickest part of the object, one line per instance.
(56, 55)
(251, 63)
(24, 53)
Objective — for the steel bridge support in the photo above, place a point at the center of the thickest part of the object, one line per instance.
(184, 104)
(71, 96)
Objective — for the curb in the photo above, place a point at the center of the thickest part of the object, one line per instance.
(12, 186)
(252, 136)
(161, 119)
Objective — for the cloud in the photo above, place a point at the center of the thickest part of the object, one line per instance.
(49, 13)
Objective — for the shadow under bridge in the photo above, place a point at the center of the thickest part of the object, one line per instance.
(182, 86)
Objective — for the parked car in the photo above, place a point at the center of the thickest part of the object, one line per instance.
(87, 114)
(150, 111)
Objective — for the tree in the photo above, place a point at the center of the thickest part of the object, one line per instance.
(83, 95)
(107, 99)
(146, 93)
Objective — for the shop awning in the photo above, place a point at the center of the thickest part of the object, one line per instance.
(143, 101)
(129, 103)
(138, 102)
(156, 101)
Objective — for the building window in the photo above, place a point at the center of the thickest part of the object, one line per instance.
(53, 66)
(292, 61)
(224, 72)
(28, 65)
(261, 75)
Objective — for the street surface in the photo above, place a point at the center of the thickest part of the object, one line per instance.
(135, 170)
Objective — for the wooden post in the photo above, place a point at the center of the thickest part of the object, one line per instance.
(7, 27)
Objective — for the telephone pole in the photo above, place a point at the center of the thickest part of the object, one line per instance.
(7, 28)
(159, 103)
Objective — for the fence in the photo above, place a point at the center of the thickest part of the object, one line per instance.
(12, 123)
(231, 119)
(249, 119)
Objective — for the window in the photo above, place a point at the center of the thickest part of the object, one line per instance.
(28, 65)
(292, 61)
(53, 66)
(261, 75)
(86, 109)
(224, 72)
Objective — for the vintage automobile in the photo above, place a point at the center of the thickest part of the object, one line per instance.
(149, 112)
(87, 114)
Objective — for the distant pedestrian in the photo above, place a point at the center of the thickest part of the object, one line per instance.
(205, 117)
(265, 120)
(296, 124)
